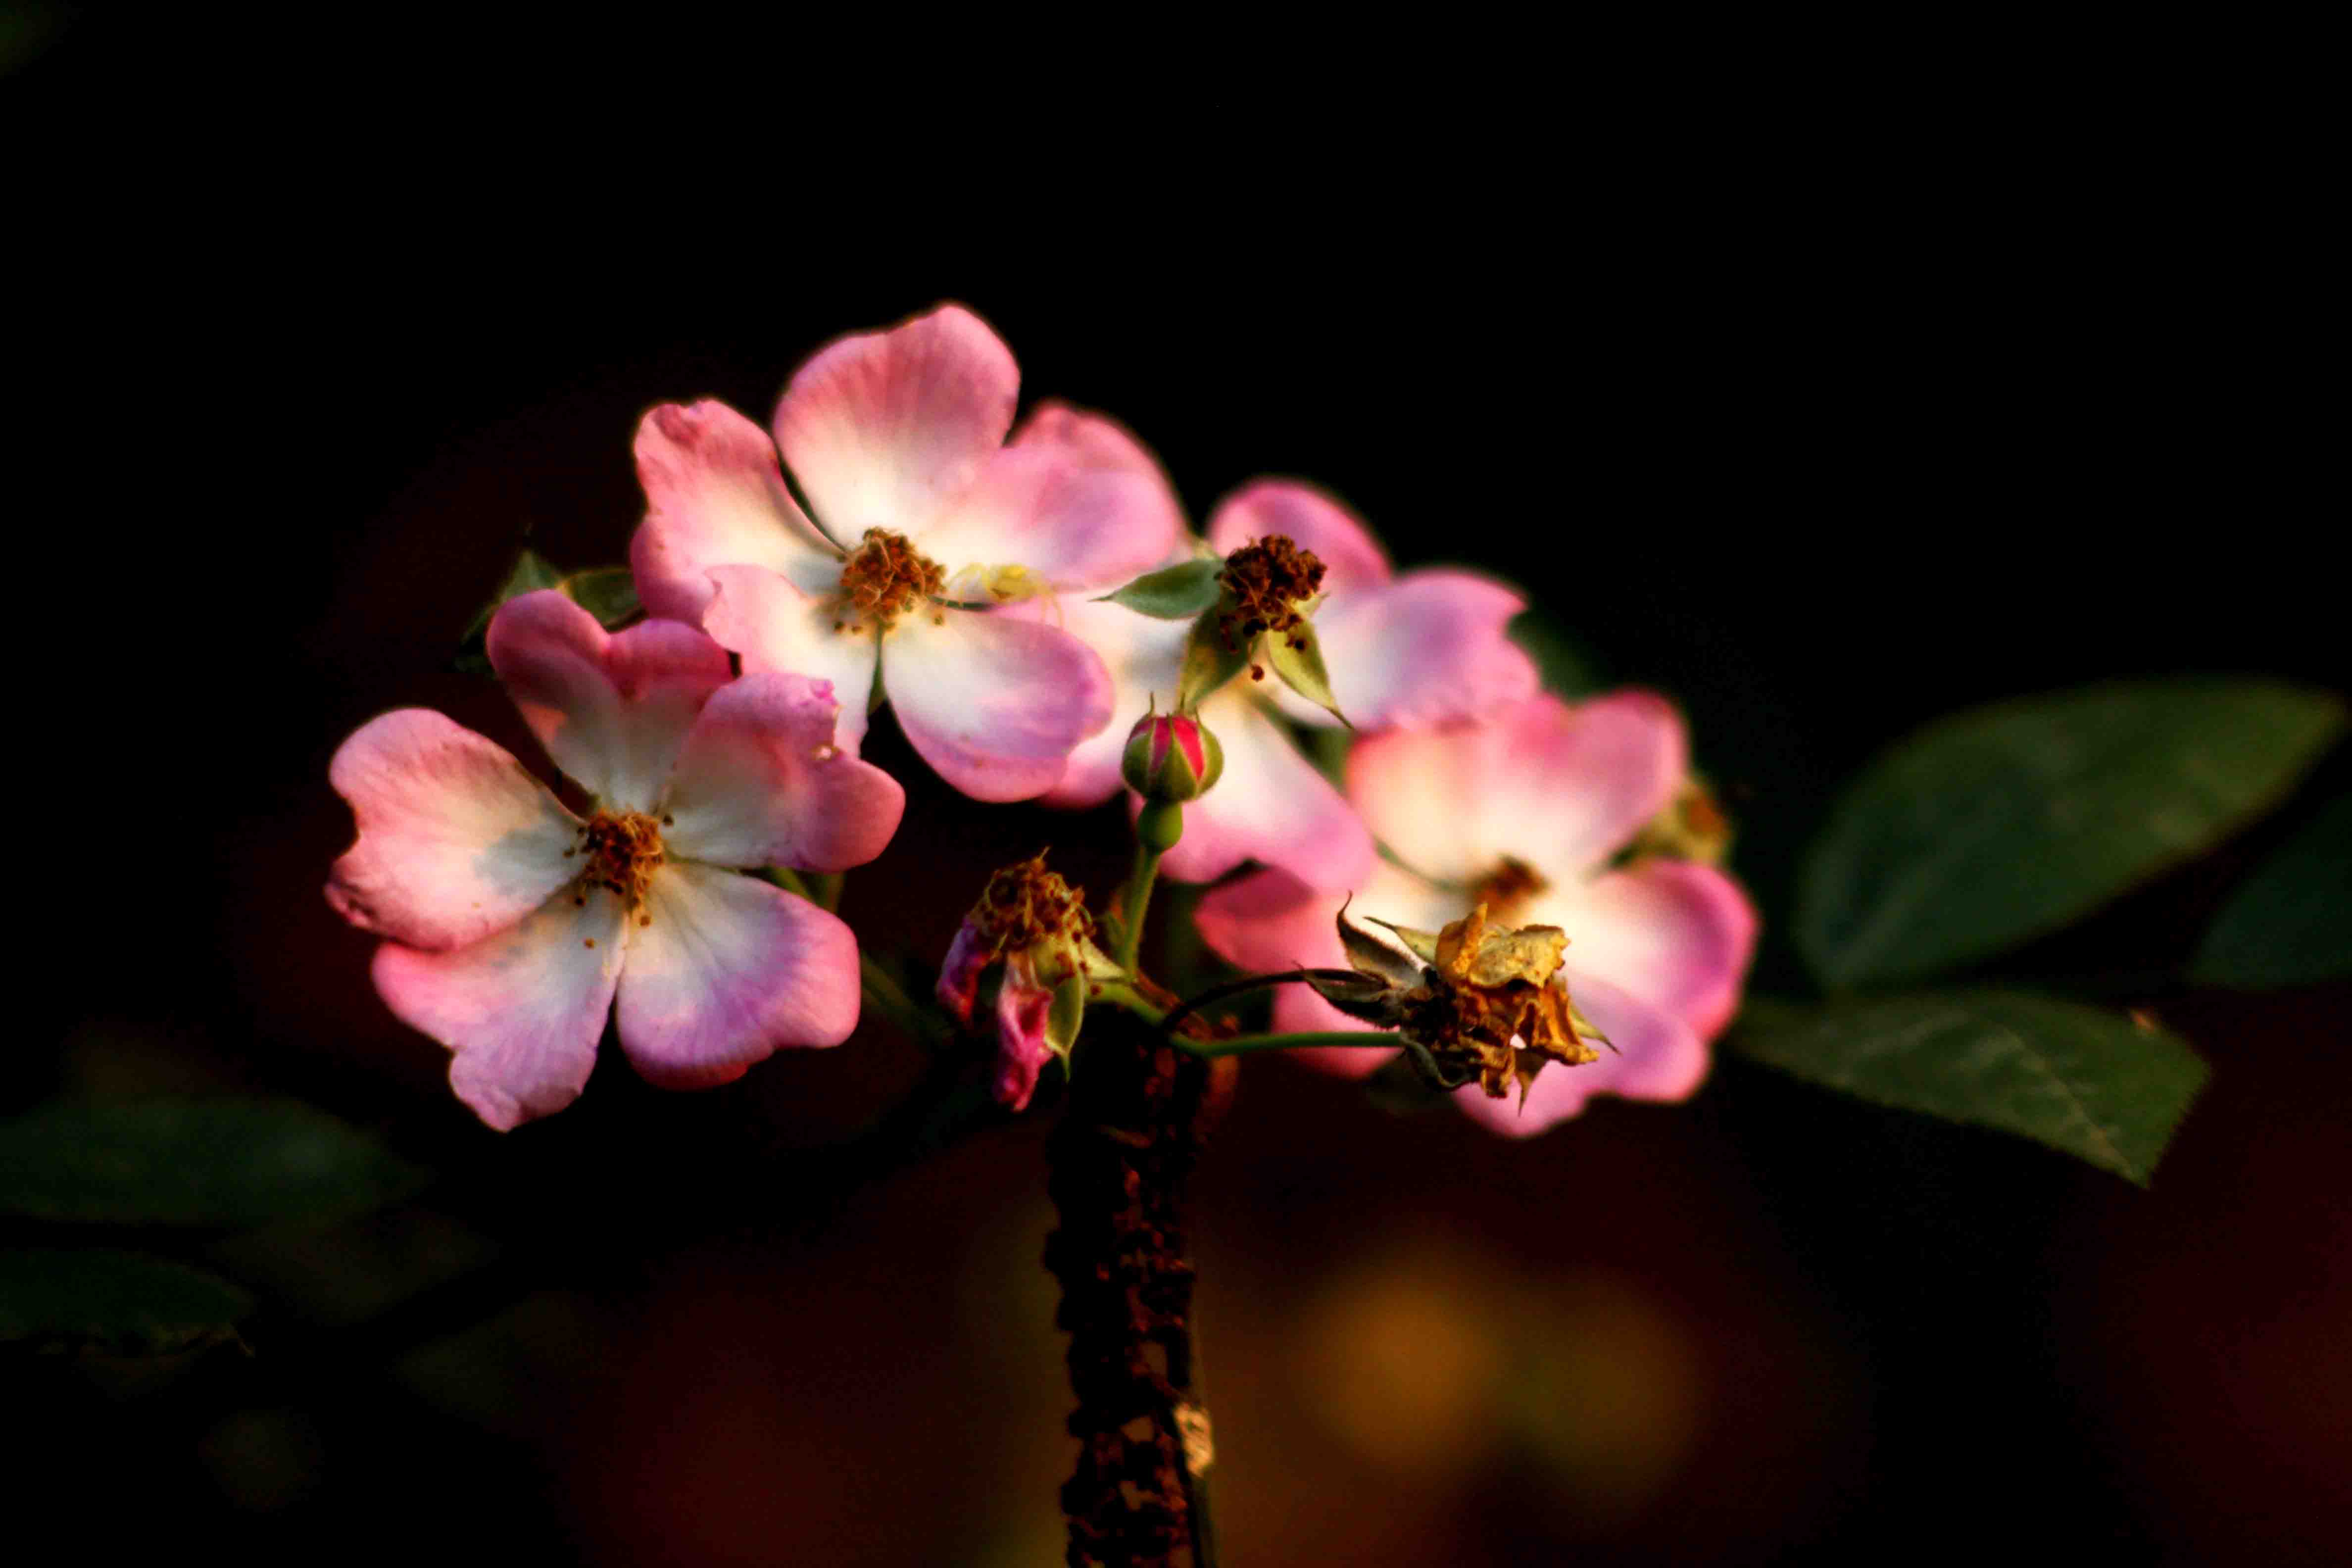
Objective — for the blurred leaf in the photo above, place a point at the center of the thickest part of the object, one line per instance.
(98, 1294)
(2093, 1084)
(1210, 661)
(1328, 749)
(1568, 667)
(1296, 655)
(607, 593)
(1175, 592)
(1397, 1087)
(2290, 921)
(2004, 823)
(233, 1164)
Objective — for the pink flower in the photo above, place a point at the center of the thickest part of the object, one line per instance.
(1036, 925)
(514, 925)
(927, 519)
(1525, 813)
(1401, 651)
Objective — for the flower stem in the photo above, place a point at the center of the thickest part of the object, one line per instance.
(1243, 1045)
(882, 993)
(824, 889)
(1137, 899)
(1245, 984)
(1120, 993)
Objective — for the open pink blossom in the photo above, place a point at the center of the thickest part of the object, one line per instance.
(514, 925)
(1524, 815)
(924, 522)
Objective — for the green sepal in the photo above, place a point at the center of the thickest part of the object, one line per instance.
(607, 593)
(1065, 1017)
(1175, 592)
(1209, 663)
(1296, 655)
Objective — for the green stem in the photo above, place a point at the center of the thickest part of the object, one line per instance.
(884, 995)
(1243, 1045)
(1245, 984)
(1120, 993)
(1138, 899)
(824, 889)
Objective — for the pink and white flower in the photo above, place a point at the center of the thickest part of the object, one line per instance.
(925, 520)
(515, 925)
(1408, 651)
(1525, 814)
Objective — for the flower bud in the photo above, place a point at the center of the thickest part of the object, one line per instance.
(1172, 757)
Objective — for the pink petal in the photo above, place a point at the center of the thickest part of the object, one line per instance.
(959, 985)
(1143, 658)
(1078, 527)
(1270, 805)
(714, 497)
(994, 702)
(1561, 789)
(724, 970)
(610, 709)
(1095, 439)
(781, 630)
(1352, 560)
(1427, 649)
(884, 429)
(455, 840)
(760, 783)
(523, 1008)
(1022, 1008)
(1675, 935)
(1658, 1057)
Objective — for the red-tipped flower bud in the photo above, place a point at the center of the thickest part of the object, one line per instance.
(1172, 757)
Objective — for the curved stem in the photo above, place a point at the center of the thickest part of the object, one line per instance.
(1244, 1045)
(1120, 993)
(882, 993)
(1138, 899)
(1245, 984)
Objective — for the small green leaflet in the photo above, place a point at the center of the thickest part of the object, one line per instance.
(607, 593)
(1296, 655)
(114, 1298)
(1209, 661)
(1175, 592)
(2290, 921)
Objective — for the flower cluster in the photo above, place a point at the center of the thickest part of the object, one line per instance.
(1033, 606)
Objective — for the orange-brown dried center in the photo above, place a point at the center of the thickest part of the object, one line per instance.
(622, 849)
(1506, 889)
(1025, 904)
(1268, 581)
(884, 578)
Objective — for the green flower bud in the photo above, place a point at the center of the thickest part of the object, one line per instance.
(1172, 757)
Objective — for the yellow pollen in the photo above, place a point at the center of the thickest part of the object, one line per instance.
(884, 578)
(622, 849)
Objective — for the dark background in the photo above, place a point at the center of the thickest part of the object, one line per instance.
(1823, 418)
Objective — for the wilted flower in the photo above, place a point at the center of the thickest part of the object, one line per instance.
(515, 924)
(1422, 649)
(1526, 815)
(1036, 925)
(925, 521)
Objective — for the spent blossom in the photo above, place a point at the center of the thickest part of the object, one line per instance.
(1525, 816)
(925, 522)
(514, 926)
(1036, 925)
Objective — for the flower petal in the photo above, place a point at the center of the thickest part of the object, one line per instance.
(714, 497)
(1427, 649)
(1097, 440)
(1269, 805)
(1143, 658)
(1022, 1007)
(1076, 526)
(995, 702)
(1561, 788)
(959, 982)
(610, 709)
(523, 1008)
(1677, 935)
(456, 840)
(780, 629)
(1657, 1057)
(884, 429)
(761, 783)
(723, 970)
(1352, 560)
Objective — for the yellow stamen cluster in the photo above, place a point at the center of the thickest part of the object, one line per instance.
(622, 849)
(884, 578)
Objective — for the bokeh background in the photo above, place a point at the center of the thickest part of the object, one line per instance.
(1823, 429)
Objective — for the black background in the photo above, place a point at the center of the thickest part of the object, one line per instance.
(1824, 416)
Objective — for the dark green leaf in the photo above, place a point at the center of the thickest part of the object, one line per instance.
(607, 593)
(2004, 823)
(1296, 655)
(1208, 660)
(1175, 592)
(2290, 921)
(96, 1293)
(232, 1164)
(529, 573)
(1569, 669)
(2091, 1083)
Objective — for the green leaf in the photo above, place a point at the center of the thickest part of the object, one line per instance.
(1568, 667)
(1175, 592)
(2092, 1084)
(529, 573)
(2290, 921)
(1296, 655)
(233, 1164)
(1209, 662)
(100, 1294)
(607, 593)
(2008, 822)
